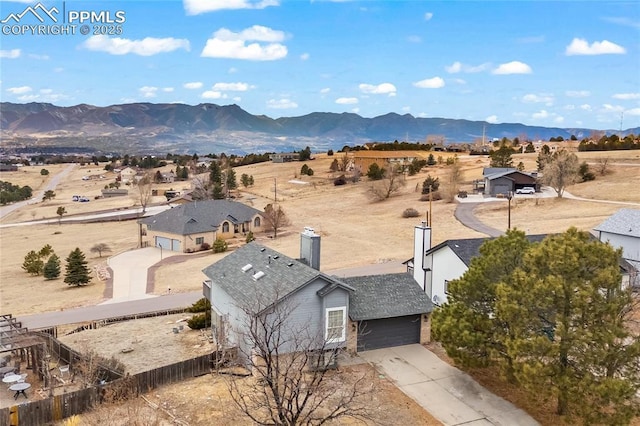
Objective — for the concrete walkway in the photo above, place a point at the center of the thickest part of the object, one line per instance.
(130, 270)
(449, 394)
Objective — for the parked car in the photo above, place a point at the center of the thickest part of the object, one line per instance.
(526, 190)
(84, 200)
(75, 198)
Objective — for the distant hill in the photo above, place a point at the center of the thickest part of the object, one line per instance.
(148, 127)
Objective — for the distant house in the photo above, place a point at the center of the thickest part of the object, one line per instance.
(127, 175)
(503, 181)
(169, 177)
(355, 314)
(113, 192)
(284, 157)
(8, 168)
(622, 230)
(362, 160)
(186, 227)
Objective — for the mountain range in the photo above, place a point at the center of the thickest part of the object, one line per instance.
(205, 128)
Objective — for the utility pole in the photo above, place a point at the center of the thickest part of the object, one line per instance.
(275, 189)
(509, 197)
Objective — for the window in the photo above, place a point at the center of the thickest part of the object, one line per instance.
(256, 222)
(336, 324)
(225, 227)
(446, 286)
(199, 241)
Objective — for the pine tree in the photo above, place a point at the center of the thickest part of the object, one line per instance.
(567, 316)
(77, 271)
(215, 174)
(231, 179)
(502, 156)
(33, 263)
(52, 268)
(217, 192)
(466, 325)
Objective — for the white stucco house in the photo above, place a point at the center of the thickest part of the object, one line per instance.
(622, 230)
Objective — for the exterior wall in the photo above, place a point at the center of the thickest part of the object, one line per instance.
(630, 245)
(187, 243)
(425, 329)
(243, 228)
(492, 187)
(447, 267)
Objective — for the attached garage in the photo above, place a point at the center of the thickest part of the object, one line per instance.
(387, 310)
(168, 243)
(388, 332)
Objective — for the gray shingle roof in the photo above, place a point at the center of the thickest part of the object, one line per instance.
(386, 296)
(623, 222)
(488, 171)
(506, 174)
(282, 275)
(468, 248)
(199, 216)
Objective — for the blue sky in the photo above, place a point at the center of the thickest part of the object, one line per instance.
(549, 63)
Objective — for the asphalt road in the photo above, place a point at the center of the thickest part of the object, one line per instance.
(464, 214)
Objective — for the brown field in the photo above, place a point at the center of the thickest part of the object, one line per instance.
(355, 231)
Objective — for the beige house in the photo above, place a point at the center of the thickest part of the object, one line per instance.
(187, 227)
(386, 159)
(127, 175)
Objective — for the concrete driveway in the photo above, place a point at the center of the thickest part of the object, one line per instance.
(450, 395)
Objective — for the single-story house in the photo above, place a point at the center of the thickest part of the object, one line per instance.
(355, 314)
(508, 180)
(362, 160)
(127, 175)
(284, 157)
(186, 227)
(114, 192)
(8, 168)
(622, 230)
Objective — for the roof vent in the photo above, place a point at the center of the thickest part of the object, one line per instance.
(246, 267)
(290, 264)
(262, 249)
(258, 275)
(275, 256)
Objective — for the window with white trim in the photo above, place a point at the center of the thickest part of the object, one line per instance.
(335, 324)
(225, 227)
(199, 240)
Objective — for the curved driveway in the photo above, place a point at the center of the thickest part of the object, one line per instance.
(464, 214)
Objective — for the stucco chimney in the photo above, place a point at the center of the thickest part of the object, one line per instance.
(310, 248)
(421, 263)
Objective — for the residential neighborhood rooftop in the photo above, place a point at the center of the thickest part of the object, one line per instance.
(623, 222)
(386, 296)
(199, 216)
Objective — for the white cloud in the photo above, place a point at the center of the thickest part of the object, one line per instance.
(532, 98)
(459, 81)
(570, 107)
(623, 21)
(612, 108)
(167, 89)
(305, 56)
(19, 90)
(212, 94)
(540, 114)
(559, 119)
(148, 91)
(325, 90)
(493, 119)
(58, 69)
(430, 83)
(193, 85)
(380, 89)
(585, 107)
(148, 46)
(39, 57)
(196, 7)
(580, 46)
(232, 87)
(232, 70)
(458, 66)
(578, 93)
(46, 91)
(346, 101)
(626, 96)
(281, 104)
(633, 111)
(513, 67)
(227, 44)
(428, 16)
(406, 109)
(10, 54)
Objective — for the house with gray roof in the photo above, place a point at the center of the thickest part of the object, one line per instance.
(434, 267)
(185, 228)
(331, 313)
(505, 180)
(622, 230)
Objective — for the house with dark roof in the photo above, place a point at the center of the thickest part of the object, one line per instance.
(622, 230)
(505, 180)
(434, 267)
(185, 228)
(357, 313)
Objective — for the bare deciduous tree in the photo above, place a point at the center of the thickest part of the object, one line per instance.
(99, 248)
(561, 170)
(145, 190)
(291, 384)
(602, 165)
(392, 182)
(275, 218)
(454, 177)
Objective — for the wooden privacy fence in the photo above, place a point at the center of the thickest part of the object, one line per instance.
(61, 406)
